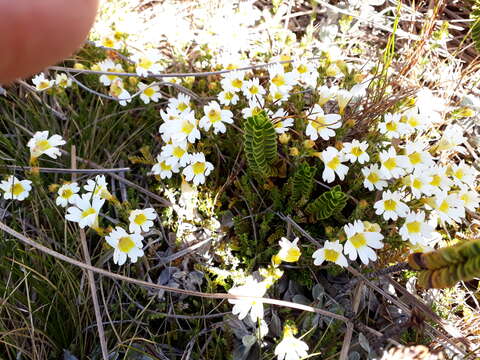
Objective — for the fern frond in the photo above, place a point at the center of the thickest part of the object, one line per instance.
(475, 29)
(329, 203)
(302, 182)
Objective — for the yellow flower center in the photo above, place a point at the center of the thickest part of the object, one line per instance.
(43, 145)
(391, 126)
(373, 177)
(414, 227)
(112, 77)
(125, 244)
(107, 42)
(413, 121)
(165, 167)
(333, 164)
(229, 95)
(390, 164)
(444, 206)
(237, 83)
(318, 123)
(187, 127)
(198, 168)
(459, 174)
(149, 92)
(88, 212)
(145, 63)
(253, 89)
(331, 255)
(214, 116)
(278, 80)
(17, 189)
(436, 180)
(178, 152)
(182, 106)
(140, 219)
(417, 183)
(67, 193)
(256, 110)
(293, 255)
(356, 151)
(415, 158)
(390, 205)
(302, 69)
(358, 240)
(465, 198)
(43, 85)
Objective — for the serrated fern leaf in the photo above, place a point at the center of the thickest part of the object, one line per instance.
(329, 203)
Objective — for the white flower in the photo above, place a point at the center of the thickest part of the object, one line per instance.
(109, 66)
(183, 128)
(360, 242)
(97, 188)
(42, 144)
(356, 151)
(228, 97)
(392, 127)
(440, 180)
(373, 178)
(419, 183)
(343, 98)
(125, 245)
(255, 107)
(164, 169)
(117, 90)
(233, 81)
(277, 95)
(291, 348)
(391, 205)
(322, 125)
(325, 94)
(63, 80)
(244, 306)
(85, 211)
(198, 169)
(141, 220)
(147, 63)
(470, 198)
(392, 165)
(149, 93)
(216, 117)
(281, 122)
(108, 41)
(333, 159)
(451, 138)
(415, 229)
(175, 153)
(331, 251)
(15, 189)
(417, 157)
(414, 120)
(463, 174)
(280, 79)
(180, 104)
(305, 71)
(41, 83)
(252, 88)
(289, 250)
(449, 208)
(67, 194)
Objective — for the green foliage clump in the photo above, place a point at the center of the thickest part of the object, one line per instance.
(329, 203)
(302, 183)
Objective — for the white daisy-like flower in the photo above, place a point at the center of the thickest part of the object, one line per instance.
(463, 174)
(163, 169)
(343, 98)
(416, 229)
(97, 188)
(42, 144)
(228, 97)
(15, 189)
(180, 104)
(149, 92)
(391, 205)
(419, 183)
(233, 81)
(333, 159)
(67, 194)
(414, 120)
(451, 138)
(392, 165)
(255, 107)
(117, 90)
(305, 71)
(197, 169)
(125, 245)
(449, 207)
(392, 127)
(42, 83)
(175, 153)
(108, 41)
(63, 80)
(185, 128)
(252, 88)
(356, 151)
(215, 117)
(241, 307)
(141, 220)
(109, 66)
(277, 95)
(281, 80)
(470, 198)
(360, 242)
(281, 122)
(289, 250)
(322, 125)
(440, 180)
(85, 211)
(326, 93)
(331, 251)
(147, 63)
(373, 178)
(417, 157)
(291, 348)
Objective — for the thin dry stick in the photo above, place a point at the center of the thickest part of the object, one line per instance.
(349, 333)
(91, 278)
(55, 254)
(65, 171)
